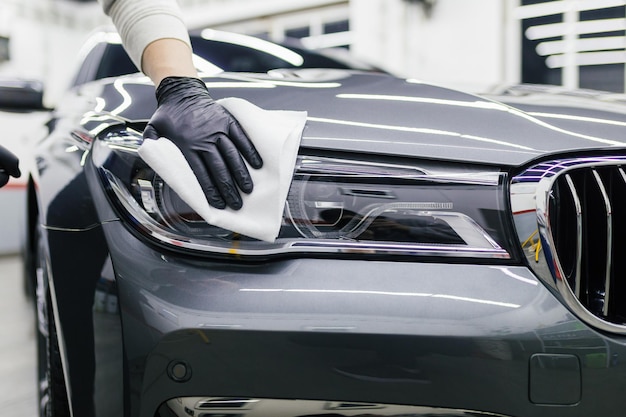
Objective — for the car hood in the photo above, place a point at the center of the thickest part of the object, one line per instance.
(378, 113)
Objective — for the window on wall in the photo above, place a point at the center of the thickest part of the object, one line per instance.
(325, 35)
(571, 43)
(4, 49)
(299, 33)
(606, 76)
(535, 70)
(316, 28)
(335, 27)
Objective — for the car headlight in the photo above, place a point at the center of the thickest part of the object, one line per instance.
(335, 205)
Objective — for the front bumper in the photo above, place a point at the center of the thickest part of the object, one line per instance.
(450, 338)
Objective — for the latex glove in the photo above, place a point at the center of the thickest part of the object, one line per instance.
(209, 137)
(9, 166)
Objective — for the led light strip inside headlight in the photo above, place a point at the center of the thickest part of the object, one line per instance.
(333, 206)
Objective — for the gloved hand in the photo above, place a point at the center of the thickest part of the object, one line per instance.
(9, 166)
(209, 137)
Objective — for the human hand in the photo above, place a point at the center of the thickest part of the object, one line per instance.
(212, 141)
(9, 166)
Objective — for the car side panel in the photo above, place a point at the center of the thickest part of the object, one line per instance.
(77, 254)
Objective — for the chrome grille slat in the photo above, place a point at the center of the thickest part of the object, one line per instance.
(580, 206)
(579, 234)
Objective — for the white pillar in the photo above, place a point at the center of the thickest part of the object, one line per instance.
(570, 69)
(463, 44)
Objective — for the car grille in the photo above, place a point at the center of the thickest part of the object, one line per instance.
(581, 220)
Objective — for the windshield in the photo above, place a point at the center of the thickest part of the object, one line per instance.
(228, 51)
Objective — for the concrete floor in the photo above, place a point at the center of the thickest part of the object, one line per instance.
(18, 360)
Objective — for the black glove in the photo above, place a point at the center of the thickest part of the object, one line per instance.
(209, 137)
(9, 166)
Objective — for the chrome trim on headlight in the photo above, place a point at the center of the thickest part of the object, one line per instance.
(578, 208)
(335, 205)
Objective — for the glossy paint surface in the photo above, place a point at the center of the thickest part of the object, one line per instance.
(377, 113)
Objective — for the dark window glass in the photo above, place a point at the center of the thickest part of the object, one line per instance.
(115, 62)
(298, 33)
(602, 77)
(334, 27)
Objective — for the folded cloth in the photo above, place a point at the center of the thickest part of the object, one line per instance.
(276, 134)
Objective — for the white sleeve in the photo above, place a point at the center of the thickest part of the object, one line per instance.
(141, 22)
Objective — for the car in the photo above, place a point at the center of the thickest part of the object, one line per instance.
(440, 253)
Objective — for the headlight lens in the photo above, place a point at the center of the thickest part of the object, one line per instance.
(334, 206)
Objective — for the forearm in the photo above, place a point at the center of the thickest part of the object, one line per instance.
(167, 57)
(141, 23)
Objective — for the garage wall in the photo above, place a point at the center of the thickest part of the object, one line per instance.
(45, 38)
(466, 44)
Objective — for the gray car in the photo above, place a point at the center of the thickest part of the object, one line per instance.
(440, 254)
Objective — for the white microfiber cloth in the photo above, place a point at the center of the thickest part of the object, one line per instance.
(276, 134)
